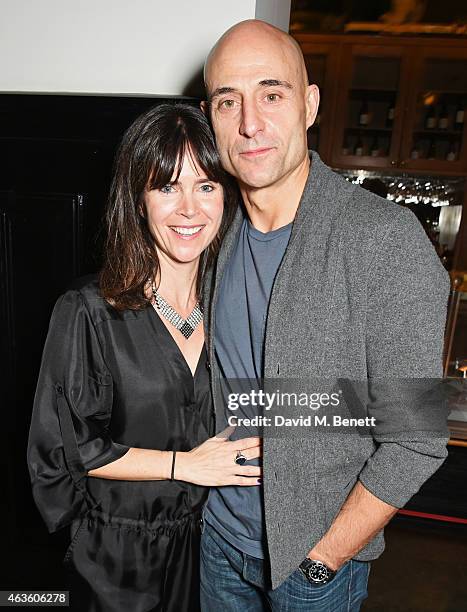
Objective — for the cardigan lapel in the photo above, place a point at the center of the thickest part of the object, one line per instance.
(302, 290)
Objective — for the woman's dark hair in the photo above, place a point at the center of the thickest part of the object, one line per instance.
(151, 155)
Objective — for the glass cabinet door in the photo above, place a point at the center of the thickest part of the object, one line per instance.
(321, 62)
(369, 110)
(437, 112)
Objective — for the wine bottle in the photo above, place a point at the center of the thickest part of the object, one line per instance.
(391, 112)
(345, 145)
(430, 119)
(443, 120)
(415, 153)
(432, 149)
(459, 118)
(359, 146)
(374, 149)
(452, 151)
(364, 114)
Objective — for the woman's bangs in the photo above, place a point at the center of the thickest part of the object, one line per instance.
(168, 162)
(168, 153)
(205, 156)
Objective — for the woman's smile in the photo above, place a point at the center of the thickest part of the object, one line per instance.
(187, 232)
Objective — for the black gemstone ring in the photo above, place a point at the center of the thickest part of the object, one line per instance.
(240, 459)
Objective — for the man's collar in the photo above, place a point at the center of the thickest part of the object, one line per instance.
(322, 192)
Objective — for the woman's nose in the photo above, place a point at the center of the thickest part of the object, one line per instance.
(188, 206)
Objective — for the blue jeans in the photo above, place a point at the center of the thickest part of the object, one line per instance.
(232, 581)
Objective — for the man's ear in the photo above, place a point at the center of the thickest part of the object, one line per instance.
(312, 104)
(204, 106)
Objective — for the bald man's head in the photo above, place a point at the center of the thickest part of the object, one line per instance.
(256, 32)
(260, 103)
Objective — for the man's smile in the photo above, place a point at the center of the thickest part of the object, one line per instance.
(256, 152)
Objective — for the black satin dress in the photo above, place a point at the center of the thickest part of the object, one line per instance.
(110, 381)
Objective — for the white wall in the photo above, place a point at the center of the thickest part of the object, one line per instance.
(274, 11)
(127, 47)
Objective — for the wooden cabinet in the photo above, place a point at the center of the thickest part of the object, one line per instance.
(368, 123)
(390, 103)
(322, 63)
(434, 119)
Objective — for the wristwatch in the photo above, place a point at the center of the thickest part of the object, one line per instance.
(316, 572)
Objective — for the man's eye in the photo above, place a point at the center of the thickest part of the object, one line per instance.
(272, 97)
(227, 104)
(207, 188)
(167, 188)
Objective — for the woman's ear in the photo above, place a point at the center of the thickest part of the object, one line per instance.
(142, 210)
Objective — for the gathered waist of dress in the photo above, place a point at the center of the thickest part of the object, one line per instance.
(158, 502)
(156, 525)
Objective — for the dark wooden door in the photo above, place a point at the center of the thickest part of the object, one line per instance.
(56, 155)
(41, 251)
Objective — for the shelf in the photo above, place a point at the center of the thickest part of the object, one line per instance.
(458, 431)
(364, 156)
(443, 92)
(433, 159)
(369, 129)
(457, 442)
(372, 96)
(365, 92)
(446, 133)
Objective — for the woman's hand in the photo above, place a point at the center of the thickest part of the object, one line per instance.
(212, 463)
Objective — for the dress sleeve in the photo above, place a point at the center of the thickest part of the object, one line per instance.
(73, 375)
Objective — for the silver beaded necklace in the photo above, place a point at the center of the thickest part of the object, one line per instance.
(185, 326)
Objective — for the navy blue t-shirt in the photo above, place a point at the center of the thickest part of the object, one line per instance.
(241, 312)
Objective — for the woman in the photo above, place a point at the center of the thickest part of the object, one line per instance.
(122, 415)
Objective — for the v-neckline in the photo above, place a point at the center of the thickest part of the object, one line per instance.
(177, 348)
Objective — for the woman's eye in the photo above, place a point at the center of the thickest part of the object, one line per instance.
(207, 188)
(272, 97)
(167, 188)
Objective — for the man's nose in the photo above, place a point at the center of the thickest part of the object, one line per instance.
(252, 121)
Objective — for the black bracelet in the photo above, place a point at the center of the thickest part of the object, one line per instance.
(173, 465)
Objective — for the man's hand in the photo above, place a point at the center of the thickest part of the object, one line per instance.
(359, 520)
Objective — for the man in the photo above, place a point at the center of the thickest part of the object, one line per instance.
(316, 277)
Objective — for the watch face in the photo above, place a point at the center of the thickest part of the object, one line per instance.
(318, 572)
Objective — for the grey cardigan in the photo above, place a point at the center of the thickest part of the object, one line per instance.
(360, 293)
